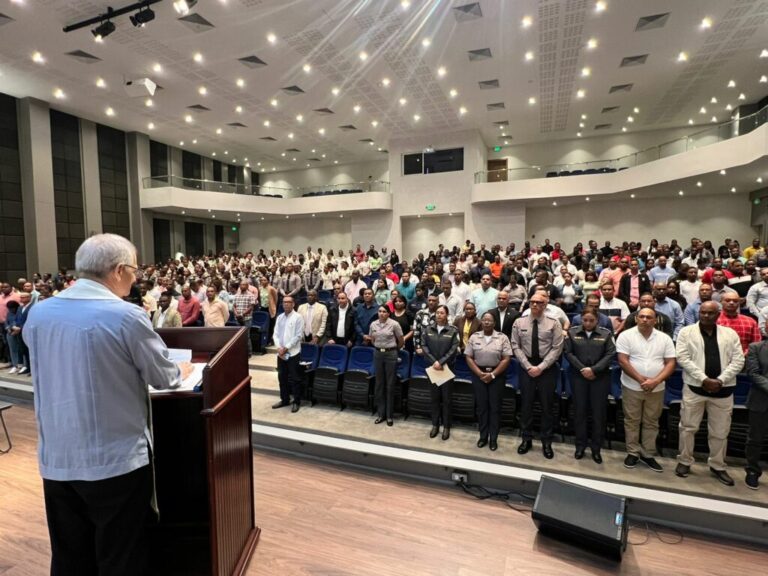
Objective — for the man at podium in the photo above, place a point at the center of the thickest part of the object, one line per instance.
(93, 355)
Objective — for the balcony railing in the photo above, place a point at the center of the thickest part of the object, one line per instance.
(712, 135)
(256, 190)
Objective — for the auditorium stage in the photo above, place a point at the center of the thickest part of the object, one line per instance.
(698, 503)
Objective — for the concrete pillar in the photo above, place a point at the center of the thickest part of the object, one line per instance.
(36, 162)
(247, 180)
(137, 159)
(174, 164)
(207, 172)
(89, 165)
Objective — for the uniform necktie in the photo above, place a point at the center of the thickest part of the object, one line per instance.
(535, 356)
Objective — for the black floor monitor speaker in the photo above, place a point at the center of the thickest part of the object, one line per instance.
(585, 517)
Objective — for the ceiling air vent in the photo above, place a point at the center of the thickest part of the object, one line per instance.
(252, 61)
(488, 84)
(651, 22)
(292, 150)
(602, 126)
(199, 108)
(268, 138)
(237, 125)
(609, 109)
(324, 111)
(495, 106)
(4, 19)
(620, 88)
(293, 90)
(84, 57)
(347, 128)
(366, 140)
(196, 23)
(633, 60)
(481, 54)
(467, 12)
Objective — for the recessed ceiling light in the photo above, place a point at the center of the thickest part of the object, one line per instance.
(587, 198)
(714, 119)
(580, 93)
(335, 91)
(583, 116)
(405, 4)
(149, 103)
(335, 161)
(728, 107)
(287, 216)
(702, 110)
(151, 126)
(682, 57)
(759, 180)
(282, 154)
(341, 215)
(38, 58)
(379, 148)
(240, 83)
(506, 142)
(274, 102)
(403, 101)
(592, 43)
(690, 120)
(294, 158)
(194, 141)
(239, 109)
(157, 67)
(290, 135)
(188, 119)
(183, 212)
(581, 124)
(503, 134)
(623, 128)
(266, 123)
(308, 165)
(426, 42)
(59, 94)
(363, 55)
(742, 96)
(385, 82)
(706, 23)
(763, 79)
(416, 117)
(600, 6)
(630, 119)
(441, 71)
(182, 144)
(219, 131)
(213, 154)
(527, 22)
(418, 216)
(299, 118)
(322, 156)
(699, 184)
(271, 38)
(313, 150)
(764, 53)
(453, 93)
(636, 110)
(307, 68)
(203, 91)
(554, 203)
(374, 123)
(356, 108)
(321, 131)
(578, 134)
(586, 72)
(197, 57)
(226, 153)
(723, 172)
(733, 190)
(109, 111)
(731, 84)
(632, 195)
(529, 56)
(100, 83)
(680, 193)
(532, 100)
(462, 111)
(713, 100)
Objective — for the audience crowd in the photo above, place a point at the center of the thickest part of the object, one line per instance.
(651, 308)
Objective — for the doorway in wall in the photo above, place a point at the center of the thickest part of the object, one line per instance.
(497, 170)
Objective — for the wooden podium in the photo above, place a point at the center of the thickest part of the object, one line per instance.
(204, 461)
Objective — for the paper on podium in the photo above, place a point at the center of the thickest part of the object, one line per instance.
(195, 378)
(439, 377)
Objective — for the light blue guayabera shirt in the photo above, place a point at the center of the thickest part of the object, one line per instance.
(92, 357)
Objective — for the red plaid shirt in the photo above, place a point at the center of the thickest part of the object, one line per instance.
(744, 326)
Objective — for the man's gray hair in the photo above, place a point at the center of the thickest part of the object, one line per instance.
(100, 254)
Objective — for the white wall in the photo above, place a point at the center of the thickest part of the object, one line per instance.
(708, 217)
(424, 234)
(314, 177)
(296, 234)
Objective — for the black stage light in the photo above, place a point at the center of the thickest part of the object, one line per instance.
(103, 30)
(143, 16)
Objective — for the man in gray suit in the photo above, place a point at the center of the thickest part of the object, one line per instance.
(757, 403)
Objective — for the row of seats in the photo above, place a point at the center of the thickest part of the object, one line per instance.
(580, 172)
(345, 377)
(331, 192)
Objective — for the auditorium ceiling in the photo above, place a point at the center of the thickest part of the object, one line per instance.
(295, 83)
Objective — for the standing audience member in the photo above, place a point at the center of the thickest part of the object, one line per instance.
(365, 313)
(289, 330)
(340, 326)
(467, 324)
(757, 404)
(711, 357)
(488, 356)
(243, 303)
(268, 301)
(189, 307)
(744, 326)
(315, 316)
(440, 345)
(165, 316)
(215, 312)
(647, 359)
(386, 336)
(504, 315)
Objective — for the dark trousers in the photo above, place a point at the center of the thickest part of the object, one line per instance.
(289, 377)
(543, 388)
(385, 367)
(441, 403)
(488, 401)
(758, 425)
(99, 528)
(590, 395)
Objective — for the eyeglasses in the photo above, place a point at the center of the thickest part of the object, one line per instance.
(537, 303)
(132, 267)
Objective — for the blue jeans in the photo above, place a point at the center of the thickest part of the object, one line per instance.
(13, 345)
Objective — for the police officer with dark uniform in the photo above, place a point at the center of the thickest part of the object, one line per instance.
(590, 349)
(537, 342)
(488, 353)
(387, 337)
(440, 345)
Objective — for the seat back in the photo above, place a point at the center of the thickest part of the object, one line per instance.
(673, 391)
(461, 369)
(310, 355)
(403, 365)
(333, 356)
(743, 384)
(361, 360)
(418, 366)
(513, 376)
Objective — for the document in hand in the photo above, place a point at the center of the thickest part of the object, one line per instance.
(439, 377)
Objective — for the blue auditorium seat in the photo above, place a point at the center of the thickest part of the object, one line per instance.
(328, 374)
(260, 325)
(310, 355)
(419, 387)
(462, 394)
(357, 387)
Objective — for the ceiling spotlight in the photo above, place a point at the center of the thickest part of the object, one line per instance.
(335, 161)
(506, 142)
(729, 107)
(527, 22)
(226, 153)
(690, 120)
(600, 6)
(59, 94)
(462, 111)
(632, 195)
(733, 189)
(307, 68)
(266, 123)
(143, 16)
(271, 38)
(580, 93)
(321, 131)
(335, 91)
(219, 131)
(682, 57)
(759, 180)
(109, 111)
(188, 119)
(636, 110)
(403, 101)
(273, 102)
(742, 96)
(581, 124)
(290, 135)
(405, 4)
(586, 72)
(732, 84)
(453, 93)
(578, 134)
(441, 71)
(203, 91)
(630, 119)
(554, 203)
(240, 83)
(680, 193)
(282, 154)
(151, 126)
(363, 55)
(426, 42)
(183, 6)
(723, 172)
(157, 67)
(587, 198)
(623, 128)
(583, 116)
(592, 43)
(763, 79)
(714, 119)
(713, 100)
(103, 30)
(416, 117)
(702, 110)
(299, 118)
(529, 56)
(531, 100)
(197, 57)
(213, 154)
(149, 103)
(356, 108)
(764, 53)
(100, 83)
(385, 82)
(375, 123)
(699, 184)
(706, 23)
(239, 109)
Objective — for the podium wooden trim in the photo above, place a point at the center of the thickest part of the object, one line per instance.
(204, 461)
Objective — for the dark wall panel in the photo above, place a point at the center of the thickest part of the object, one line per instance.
(13, 257)
(113, 178)
(158, 159)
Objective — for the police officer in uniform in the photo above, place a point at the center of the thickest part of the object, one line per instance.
(590, 349)
(488, 353)
(440, 345)
(387, 337)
